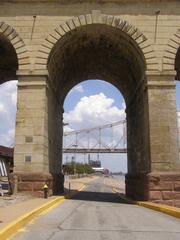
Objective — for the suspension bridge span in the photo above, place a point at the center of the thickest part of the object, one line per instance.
(108, 138)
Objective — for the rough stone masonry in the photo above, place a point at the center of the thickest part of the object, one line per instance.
(50, 46)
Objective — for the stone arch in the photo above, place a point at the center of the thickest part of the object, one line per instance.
(91, 47)
(9, 33)
(96, 17)
(171, 52)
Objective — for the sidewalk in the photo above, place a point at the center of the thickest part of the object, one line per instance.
(10, 213)
(15, 210)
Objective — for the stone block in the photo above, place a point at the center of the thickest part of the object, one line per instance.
(177, 195)
(170, 176)
(168, 195)
(165, 202)
(154, 195)
(35, 177)
(153, 177)
(161, 166)
(177, 203)
(166, 185)
(38, 186)
(177, 186)
(25, 186)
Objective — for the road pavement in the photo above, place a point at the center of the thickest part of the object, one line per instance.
(98, 213)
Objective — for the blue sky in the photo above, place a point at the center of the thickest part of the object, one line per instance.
(92, 87)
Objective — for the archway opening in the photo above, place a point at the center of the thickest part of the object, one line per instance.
(100, 52)
(8, 91)
(8, 68)
(8, 97)
(95, 128)
(8, 60)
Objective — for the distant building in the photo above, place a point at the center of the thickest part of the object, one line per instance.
(98, 169)
(6, 161)
(95, 164)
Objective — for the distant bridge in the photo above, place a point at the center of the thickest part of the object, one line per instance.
(108, 138)
(95, 150)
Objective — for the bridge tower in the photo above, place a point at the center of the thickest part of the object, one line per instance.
(50, 46)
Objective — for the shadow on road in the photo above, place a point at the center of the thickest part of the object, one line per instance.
(98, 197)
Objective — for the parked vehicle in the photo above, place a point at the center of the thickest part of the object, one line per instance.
(4, 187)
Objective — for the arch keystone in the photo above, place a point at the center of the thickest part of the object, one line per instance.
(96, 16)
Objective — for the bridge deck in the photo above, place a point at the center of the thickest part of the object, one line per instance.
(96, 150)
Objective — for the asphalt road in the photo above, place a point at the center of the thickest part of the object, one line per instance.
(98, 213)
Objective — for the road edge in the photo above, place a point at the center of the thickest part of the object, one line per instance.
(172, 211)
(13, 227)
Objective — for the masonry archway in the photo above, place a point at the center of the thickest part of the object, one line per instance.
(99, 51)
(99, 46)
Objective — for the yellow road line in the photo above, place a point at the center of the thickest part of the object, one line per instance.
(20, 222)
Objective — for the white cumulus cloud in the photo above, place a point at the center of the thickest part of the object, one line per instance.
(8, 98)
(94, 110)
(178, 115)
(2, 108)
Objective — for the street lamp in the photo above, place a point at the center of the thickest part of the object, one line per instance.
(63, 125)
(75, 145)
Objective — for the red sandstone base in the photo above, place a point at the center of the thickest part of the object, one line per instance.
(33, 183)
(158, 187)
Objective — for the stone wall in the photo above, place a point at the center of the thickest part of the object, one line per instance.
(31, 182)
(164, 188)
(51, 14)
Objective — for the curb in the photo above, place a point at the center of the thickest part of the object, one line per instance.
(20, 222)
(172, 211)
